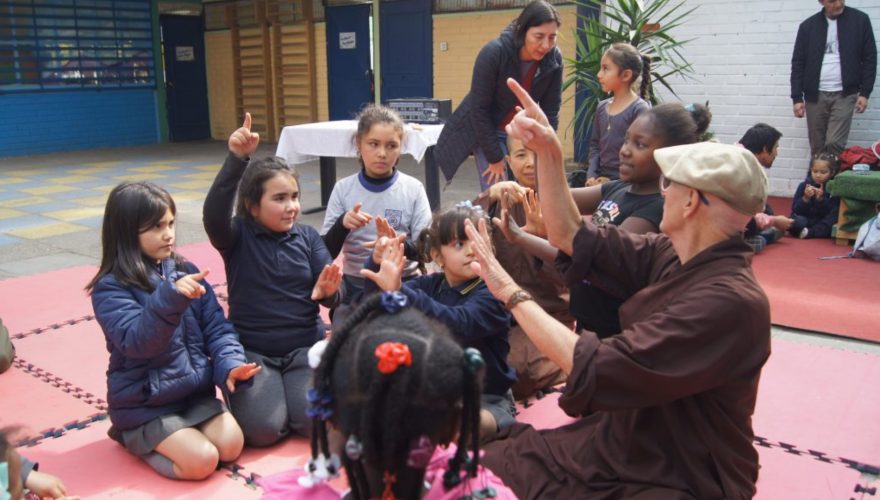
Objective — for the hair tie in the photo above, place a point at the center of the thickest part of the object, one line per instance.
(316, 352)
(393, 302)
(470, 206)
(388, 479)
(391, 355)
(690, 108)
(354, 448)
(320, 404)
(473, 360)
(420, 452)
(320, 470)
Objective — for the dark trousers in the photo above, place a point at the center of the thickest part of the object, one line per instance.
(829, 120)
(276, 404)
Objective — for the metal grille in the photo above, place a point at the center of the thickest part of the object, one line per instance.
(75, 44)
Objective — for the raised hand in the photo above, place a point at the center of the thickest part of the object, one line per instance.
(189, 285)
(241, 373)
(534, 217)
(530, 124)
(328, 282)
(391, 262)
(243, 142)
(355, 219)
(508, 227)
(487, 266)
(383, 229)
(512, 189)
(495, 172)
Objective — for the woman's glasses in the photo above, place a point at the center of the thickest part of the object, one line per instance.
(665, 183)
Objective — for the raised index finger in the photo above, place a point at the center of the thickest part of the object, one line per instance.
(521, 93)
(247, 121)
(200, 275)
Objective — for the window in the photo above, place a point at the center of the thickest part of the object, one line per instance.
(75, 44)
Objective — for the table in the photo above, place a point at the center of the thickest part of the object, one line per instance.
(327, 141)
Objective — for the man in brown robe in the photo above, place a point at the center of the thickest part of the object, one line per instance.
(666, 405)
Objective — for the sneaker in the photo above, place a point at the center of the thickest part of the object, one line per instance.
(804, 233)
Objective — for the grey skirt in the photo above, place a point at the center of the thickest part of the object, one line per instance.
(144, 439)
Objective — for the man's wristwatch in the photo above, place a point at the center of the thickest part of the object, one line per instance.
(517, 297)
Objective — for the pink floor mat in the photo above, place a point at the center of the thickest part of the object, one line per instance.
(94, 466)
(40, 405)
(43, 300)
(822, 399)
(75, 353)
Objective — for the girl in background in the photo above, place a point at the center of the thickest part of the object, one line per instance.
(813, 208)
(621, 69)
(632, 202)
(168, 339)
(379, 193)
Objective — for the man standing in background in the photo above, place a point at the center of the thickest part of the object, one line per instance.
(833, 68)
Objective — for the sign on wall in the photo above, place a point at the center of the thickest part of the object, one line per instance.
(184, 54)
(347, 40)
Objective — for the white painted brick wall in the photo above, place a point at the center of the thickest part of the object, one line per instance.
(741, 55)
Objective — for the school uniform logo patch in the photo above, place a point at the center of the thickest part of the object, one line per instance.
(607, 213)
(395, 217)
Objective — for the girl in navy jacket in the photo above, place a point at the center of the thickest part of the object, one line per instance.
(168, 340)
(813, 209)
(458, 298)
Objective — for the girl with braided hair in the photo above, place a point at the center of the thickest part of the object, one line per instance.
(459, 299)
(399, 389)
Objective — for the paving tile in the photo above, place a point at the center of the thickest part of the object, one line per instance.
(48, 189)
(151, 169)
(73, 179)
(138, 177)
(25, 221)
(47, 230)
(201, 176)
(24, 201)
(8, 240)
(91, 201)
(7, 213)
(91, 170)
(11, 181)
(28, 172)
(72, 214)
(199, 184)
(50, 206)
(182, 196)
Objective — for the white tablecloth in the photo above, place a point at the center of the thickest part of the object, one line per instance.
(303, 143)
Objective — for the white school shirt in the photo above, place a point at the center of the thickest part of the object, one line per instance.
(404, 204)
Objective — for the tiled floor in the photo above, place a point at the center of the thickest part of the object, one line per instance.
(52, 206)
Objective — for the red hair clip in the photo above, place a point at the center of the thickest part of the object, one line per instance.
(391, 355)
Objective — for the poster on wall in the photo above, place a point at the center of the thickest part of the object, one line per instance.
(347, 40)
(184, 54)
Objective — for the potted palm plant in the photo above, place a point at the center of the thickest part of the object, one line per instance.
(647, 25)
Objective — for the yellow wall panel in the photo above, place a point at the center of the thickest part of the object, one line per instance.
(221, 85)
(321, 63)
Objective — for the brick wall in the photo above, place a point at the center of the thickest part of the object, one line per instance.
(65, 121)
(221, 84)
(742, 56)
(466, 33)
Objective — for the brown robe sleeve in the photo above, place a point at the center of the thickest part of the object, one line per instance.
(706, 336)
